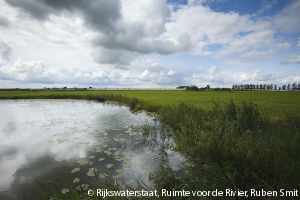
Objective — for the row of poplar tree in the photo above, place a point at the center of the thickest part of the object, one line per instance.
(289, 86)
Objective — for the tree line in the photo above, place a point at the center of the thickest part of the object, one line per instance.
(271, 86)
(193, 87)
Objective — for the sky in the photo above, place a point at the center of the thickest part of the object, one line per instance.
(148, 43)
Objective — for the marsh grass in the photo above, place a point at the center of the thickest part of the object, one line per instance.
(234, 147)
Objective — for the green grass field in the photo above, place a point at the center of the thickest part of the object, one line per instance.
(275, 103)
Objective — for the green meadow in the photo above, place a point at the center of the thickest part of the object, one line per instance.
(276, 104)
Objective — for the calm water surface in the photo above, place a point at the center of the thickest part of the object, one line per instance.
(57, 144)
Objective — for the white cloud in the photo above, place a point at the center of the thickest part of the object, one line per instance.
(266, 5)
(288, 19)
(137, 28)
(225, 78)
(234, 36)
(38, 73)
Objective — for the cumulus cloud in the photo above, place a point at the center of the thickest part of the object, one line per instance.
(225, 78)
(295, 59)
(33, 71)
(121, 27)
(125, 29)
(39, 72)
(99, 14)
(150, 74)
(237, 37)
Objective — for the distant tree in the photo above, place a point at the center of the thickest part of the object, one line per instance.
(289, 86)
(283, 87)
(264, 86)
(275, 87)
(260, 86)
(181, 87)
(208, 87)
(294, 86)
(242, 87)
(192, 87)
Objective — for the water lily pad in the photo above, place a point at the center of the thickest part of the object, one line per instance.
(82, 162)
(117, 176)
(60, 141)
(77, 169)
(108, 153)
(76, 180)
(91, 157)
(91, 172)
(65, 191)
(82, 187)
(119, 171)
(83, 143)
(108, 166)
(98, 150)
(103, 175)
(101, 159)
(128, 164)
(117, 153)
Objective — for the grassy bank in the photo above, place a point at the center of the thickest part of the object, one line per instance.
(275, 103)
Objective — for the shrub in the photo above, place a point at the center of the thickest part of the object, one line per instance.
(101, 98)
(132, 102)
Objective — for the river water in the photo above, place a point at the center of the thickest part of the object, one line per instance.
(53, 145)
